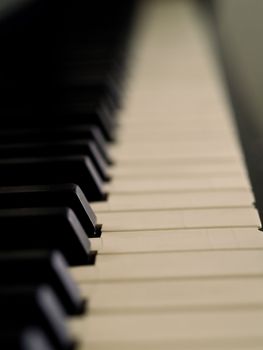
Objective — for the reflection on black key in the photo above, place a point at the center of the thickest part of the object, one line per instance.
(45, 228)
(23, 307)
(66, 195)
(53, 170)
(33, 268)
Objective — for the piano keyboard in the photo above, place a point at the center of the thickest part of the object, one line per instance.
(178, 260)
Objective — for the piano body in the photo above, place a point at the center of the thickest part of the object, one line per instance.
(130, 195)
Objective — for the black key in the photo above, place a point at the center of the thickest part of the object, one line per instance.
(53, 170)
(101, 144)
(100, 161)
(43, 135)
(30, 338)
(75, 112)
(47, 229)
(47, 149)
(66, 195)
(33, 268)
(98, 76)
(78, 109)
(38, 307)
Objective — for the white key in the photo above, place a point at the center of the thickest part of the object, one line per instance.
(177, 184)
(180, 200)
(172, 265)
(179, 240)
(172, 330)
(173, 295)
(173, 151)
(178, 219)
(181, 169)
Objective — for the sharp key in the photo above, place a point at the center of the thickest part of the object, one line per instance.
(45, 228)
(47, 149)
(53, 170)
(32, 268)
(42, 135)
(23, 307)
(66, 195)
(30, 338)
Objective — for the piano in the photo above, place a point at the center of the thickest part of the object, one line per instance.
(130, 176)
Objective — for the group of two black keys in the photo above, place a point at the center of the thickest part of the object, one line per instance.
(48, 176)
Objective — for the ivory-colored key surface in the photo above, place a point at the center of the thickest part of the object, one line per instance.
(179, 200)
(172, 219)
(174, 295)
(179, 263)
(173, 265)
(183, 168)
(173, 151)
(178, 240)
(181, 329)
(139, 135)
(176, 184)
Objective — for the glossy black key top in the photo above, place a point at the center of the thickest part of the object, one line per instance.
(42, 135)
(45, 228)
(34, 268)
(53, 170)
(30, 338)
(47, 149)
(39, 307)
(65, 195)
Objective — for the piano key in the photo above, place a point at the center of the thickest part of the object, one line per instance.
(205, 114)
(224, 126)
(179, 219)
(172, 154)
(77, 110)
(170, 134)
(100, 161)
(23, 307)
(172, 265)
(30, 338)
(101, 145)
(42, 135)
(181, 168)
(174, 150)
(53, 170)
(67, 195)
(195, 330)
(147, 111)
(179, 200)
(45, 228)
(168, 184)
(34, 268)
(97, 76)
(78, 147)
(173, 295)
(179, 240)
